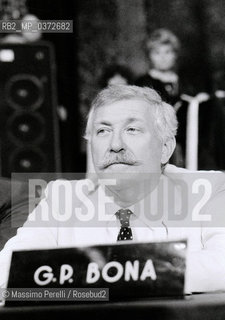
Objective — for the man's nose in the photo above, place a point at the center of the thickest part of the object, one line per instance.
(117, 143)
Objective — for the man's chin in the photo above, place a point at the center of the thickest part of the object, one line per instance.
(119, 168)
(121, 177)
(125, 174)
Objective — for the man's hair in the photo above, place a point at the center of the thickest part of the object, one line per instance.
(162, 37)
(165, 118)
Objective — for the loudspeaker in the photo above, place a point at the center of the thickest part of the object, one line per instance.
(29, 136)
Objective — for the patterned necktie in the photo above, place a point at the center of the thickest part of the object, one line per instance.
(125, 229)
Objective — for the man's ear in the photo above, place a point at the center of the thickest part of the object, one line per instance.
(90, 165)
(168, 149)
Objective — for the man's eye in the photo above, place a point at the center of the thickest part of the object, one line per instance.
(133, 130)
(102, 131)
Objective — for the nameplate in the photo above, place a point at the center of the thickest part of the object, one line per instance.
(128, 270)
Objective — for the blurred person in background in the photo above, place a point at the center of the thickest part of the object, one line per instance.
(162, 48)
(180, 88)
(116, 74)
(162, 52)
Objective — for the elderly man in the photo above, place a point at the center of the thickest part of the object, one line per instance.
(133, 193)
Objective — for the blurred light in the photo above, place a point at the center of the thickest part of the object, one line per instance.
(179, 246)
(7, 55)
(220, 94)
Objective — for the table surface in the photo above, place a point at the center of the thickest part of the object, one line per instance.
(198, 306)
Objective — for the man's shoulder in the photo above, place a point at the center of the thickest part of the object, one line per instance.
(213, 179)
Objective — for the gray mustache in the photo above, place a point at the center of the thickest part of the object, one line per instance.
(114, 158)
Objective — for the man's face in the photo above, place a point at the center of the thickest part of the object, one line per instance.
(124, 139)
(163, 57)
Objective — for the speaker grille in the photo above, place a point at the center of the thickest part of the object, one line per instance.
(29, 125)
(24, 92)
(27, 160)
(26, 128)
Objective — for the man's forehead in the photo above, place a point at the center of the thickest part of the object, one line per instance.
(132, 108)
